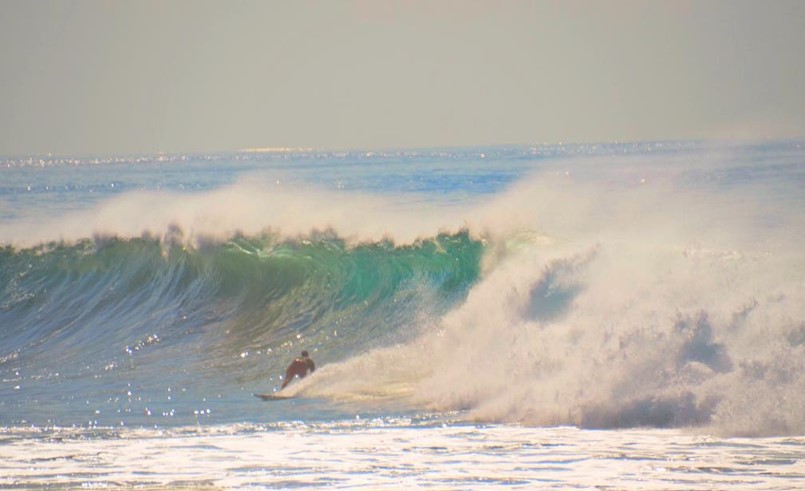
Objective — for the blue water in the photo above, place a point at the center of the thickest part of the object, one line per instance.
(612, 286)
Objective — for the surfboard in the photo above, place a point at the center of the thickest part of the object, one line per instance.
(272, 397)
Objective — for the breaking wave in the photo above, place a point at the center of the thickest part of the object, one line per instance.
(561, 301)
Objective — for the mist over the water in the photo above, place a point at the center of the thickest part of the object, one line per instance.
(250, 206)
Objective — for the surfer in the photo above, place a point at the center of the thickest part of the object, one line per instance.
(299, 368)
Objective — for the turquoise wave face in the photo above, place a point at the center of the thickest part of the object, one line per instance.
(118, 323)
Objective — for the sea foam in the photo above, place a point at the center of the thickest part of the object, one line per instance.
(611, 306)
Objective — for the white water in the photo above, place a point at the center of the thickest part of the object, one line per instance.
(398, 454)
(640, 305)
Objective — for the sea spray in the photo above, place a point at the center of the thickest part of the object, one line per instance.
(609, 320)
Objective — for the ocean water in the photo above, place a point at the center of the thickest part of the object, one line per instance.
(621, 316)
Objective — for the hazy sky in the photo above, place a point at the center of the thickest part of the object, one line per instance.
(112, 77)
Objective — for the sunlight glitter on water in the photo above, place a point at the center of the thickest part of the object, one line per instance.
(390, 454)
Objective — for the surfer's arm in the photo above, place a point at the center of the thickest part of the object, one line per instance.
(290, 373)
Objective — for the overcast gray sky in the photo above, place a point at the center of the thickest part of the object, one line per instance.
(116, 77)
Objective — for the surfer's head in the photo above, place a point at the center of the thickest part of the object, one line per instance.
(304, 354)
